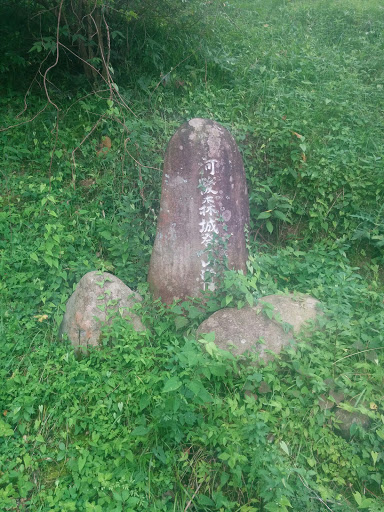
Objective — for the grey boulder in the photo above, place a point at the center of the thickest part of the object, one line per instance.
(345, 419)
(266, 328)
(97, 300)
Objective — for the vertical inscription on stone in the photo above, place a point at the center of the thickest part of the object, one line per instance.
(203, 212)
(209, 219)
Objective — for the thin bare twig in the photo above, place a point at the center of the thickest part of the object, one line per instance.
(109, 41)
(38, 72)
(24, 122)
(169, 72)
(194, 494)
(315, 494)
(85, 96)
(134, 159)
(357, 353)
(81, 143)
(83, 60)
(47, 93)
(56, 61)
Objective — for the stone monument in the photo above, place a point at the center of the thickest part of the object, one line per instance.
(204, 211)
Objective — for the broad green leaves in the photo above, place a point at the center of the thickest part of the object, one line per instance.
(172, 384)
(5, 429)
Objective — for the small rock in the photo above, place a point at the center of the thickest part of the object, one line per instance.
(324, 403)
(346, 419)
(97, 300)
(264, 387)
(338, 396)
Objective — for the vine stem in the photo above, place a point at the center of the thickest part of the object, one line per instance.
(194, 495)
(357, 353)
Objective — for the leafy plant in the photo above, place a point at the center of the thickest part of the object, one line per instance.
(162, 421)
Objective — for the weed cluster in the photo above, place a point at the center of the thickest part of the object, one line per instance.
(160, 421)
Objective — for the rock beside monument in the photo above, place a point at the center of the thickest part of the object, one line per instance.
(97, 300)
(251, 329)
(294, 309)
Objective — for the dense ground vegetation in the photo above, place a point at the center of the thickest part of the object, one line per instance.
(130, 428)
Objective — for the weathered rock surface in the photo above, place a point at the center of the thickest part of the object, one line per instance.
(346, 419)
(240, 330)
(204, 210)
(97, 300)
(326, 404)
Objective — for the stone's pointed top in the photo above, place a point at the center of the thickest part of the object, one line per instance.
(205, 131)
(203, 212)
(197, 123)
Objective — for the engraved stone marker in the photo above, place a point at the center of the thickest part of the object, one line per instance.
(204, 210)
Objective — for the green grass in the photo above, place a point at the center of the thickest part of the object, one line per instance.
(131, 428)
